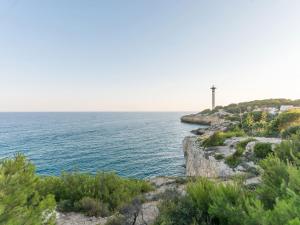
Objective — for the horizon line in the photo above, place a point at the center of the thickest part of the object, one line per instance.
(94, 111)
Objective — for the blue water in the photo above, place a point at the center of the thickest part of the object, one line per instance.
(137, 145)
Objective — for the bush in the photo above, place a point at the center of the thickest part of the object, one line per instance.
(289, 132)
(116, 220)
(285, 120)
(234, 159)
(262, 150)
(20, 200)
(206, 111)
(92, 207)
(219, 156)
(65, 206)
(289, 150)
(102, 190)
(219, 137)
(206, 202)
(274, 175)
(216, 139)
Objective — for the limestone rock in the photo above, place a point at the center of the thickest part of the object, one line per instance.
(201, 162)
(73, 218)
(202, 119)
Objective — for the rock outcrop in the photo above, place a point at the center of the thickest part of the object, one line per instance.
(200, 162)
(202, 119)
(210, 162)
(73, 218)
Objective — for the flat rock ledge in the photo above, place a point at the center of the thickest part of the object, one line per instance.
(78, 219)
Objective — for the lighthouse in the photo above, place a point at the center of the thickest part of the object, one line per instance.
(213, 89)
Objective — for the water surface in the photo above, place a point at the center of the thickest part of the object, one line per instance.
(137, 145)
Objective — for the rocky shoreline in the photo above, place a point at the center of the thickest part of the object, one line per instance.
(202, 119)
(204, 162)
(199, 162)
(210, 161)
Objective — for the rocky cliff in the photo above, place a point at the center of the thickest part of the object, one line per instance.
(200, 162)
(206, 162)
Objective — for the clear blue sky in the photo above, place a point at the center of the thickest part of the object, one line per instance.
(146, 55)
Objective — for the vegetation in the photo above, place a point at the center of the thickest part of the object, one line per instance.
(251, 105)
(94, 195)
(288, 119)
(289, 132)
(219, 137)
(219, 156)
(248, 106)
(289, 150)
(262, 150)
(28, 199)
(206, 111)
(276, 201)
(235, 159)
(20, 200)
(283, 122)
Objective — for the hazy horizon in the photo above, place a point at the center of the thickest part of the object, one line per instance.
(146, 56)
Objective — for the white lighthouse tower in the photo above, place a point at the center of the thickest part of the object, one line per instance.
(213, 89)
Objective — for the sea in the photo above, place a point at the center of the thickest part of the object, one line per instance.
(132, 144)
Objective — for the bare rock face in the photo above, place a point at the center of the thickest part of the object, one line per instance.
(200, 162)
(148, 213)
(210, 162)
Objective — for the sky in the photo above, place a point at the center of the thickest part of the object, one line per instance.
(146, 55)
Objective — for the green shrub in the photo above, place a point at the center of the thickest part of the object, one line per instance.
(236, 132)
(106, 189)
(206, 111)
(283, 121)
(227, 204)
(289, 150)
(219, 156)
(206, 202)
(92, 207)
(288, 119)
(20, 200)
(116, 220)
(65, 206)
(234, 159)
(287, 133)
(275, 174)
(262, 150)
(218, 138)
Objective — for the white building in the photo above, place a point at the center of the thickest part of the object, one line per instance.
(284, 108)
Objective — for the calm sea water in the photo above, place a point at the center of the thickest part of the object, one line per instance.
(132, 144)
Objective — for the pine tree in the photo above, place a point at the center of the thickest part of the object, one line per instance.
(20, 202)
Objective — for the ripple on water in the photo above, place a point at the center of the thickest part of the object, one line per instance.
(132, 144)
